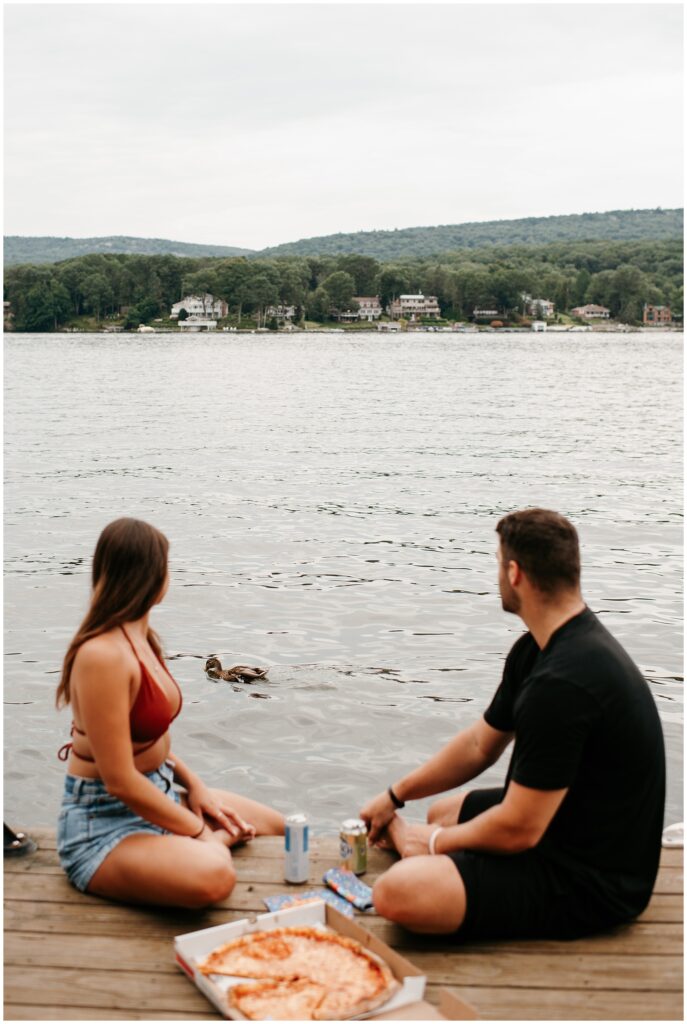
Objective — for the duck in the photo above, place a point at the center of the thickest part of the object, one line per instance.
(235, 674)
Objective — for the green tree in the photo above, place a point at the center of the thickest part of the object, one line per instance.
(318, 305)
(97, 293)
(232, 282)
(363, 270)
(392, 281)
(263, 291)
(201, 282)
(339, 286)
(46, 306)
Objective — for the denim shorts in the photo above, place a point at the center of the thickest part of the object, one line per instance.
(92, 822)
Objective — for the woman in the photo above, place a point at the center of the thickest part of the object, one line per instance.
(124, 832)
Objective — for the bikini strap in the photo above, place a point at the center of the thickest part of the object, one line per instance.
(131, 645)
(68, 748)
(158, 657)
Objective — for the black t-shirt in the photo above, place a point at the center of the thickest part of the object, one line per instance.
(584, 719)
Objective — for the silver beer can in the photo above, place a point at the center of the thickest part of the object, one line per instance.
(353, 845)
(296, 857)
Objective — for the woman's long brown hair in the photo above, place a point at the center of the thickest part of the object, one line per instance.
(129, 571)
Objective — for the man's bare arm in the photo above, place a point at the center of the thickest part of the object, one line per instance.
(516, 824)
(463, 758)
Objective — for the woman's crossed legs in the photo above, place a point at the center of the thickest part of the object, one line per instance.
(172, 870)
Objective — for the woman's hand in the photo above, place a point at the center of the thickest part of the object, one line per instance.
(218, 836)
(206, 803)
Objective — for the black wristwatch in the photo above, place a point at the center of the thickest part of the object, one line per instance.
(394, 799)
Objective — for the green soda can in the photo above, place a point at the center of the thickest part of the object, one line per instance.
(353, 845)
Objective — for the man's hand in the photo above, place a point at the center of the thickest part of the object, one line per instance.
(377, 814)
(206, 804)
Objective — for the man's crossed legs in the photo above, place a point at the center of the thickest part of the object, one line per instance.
(423, 893)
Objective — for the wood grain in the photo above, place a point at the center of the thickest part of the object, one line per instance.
(70, 956)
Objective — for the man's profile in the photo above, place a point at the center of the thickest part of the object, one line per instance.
(571, 843)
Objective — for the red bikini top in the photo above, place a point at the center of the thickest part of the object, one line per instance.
(150, 716)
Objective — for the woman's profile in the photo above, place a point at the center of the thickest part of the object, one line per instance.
(124, 832)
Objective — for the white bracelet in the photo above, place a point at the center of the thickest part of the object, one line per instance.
(433, 839)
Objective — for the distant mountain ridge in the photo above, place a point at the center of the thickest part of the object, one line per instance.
(614, 225)
(52, 249)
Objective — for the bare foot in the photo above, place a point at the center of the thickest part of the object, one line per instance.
(383, 841)
(395, 833)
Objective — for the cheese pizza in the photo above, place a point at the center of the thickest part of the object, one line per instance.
(278, 999)
(348, 979)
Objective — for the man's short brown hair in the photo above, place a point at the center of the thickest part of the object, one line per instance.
(545, 546)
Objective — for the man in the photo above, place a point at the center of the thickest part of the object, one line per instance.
(571, 843)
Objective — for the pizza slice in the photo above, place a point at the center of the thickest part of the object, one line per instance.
(278, 999)
(358, 989)
(257, 955)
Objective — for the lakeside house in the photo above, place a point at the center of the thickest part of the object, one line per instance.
(281, 313)
(369, 307)
(484, 314)
(201, 306)
(541, 308)
(539, 325)
(657, 314)
(413, 307)
(591, 312)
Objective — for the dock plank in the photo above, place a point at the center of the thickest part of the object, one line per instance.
(104, 919)
(127, 970)
(550, 1004)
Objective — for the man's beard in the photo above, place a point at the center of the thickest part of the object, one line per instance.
(510, 601)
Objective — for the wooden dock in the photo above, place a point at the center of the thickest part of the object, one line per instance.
(75, 957)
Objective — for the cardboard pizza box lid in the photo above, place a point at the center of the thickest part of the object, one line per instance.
(451, 1007)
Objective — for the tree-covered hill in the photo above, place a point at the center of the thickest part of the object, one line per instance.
(403, 243)
(49, 249)
(616, 226)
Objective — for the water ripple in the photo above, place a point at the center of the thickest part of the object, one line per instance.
(344, 538)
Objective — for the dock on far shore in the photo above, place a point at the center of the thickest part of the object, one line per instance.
(70, 956)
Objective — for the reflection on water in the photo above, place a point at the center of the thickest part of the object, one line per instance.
(331, 504)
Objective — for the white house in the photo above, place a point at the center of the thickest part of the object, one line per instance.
(534, 306)
(412, 307)
(280, 312)
(369, 307)
(203, 306)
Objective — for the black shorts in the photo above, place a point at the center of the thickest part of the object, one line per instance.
(524, 895)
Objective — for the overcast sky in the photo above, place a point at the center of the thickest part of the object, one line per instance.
(257, 124)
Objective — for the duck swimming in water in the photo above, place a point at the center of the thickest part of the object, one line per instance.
(235, 674)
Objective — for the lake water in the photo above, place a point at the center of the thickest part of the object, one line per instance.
(331, 502)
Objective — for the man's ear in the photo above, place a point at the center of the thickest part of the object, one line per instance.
(514, 573)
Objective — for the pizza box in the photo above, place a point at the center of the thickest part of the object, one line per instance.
(406, 1003)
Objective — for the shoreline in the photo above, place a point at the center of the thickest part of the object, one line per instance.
(563, 329)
